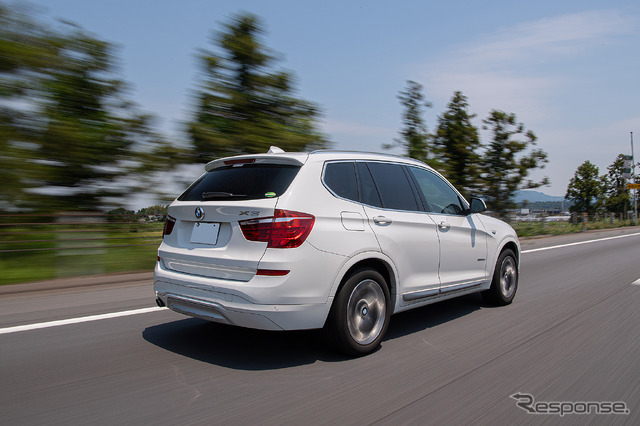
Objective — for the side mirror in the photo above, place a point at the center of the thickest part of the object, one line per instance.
(477, 205)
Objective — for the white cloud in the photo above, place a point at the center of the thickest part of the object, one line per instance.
(553, 36)
(503, 90)
(536, 70)
(514, 68)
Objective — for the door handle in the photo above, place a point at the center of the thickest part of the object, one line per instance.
(381, 220)
(444, 225)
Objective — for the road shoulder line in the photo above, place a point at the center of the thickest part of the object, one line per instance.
(580, 243)
(19, 328)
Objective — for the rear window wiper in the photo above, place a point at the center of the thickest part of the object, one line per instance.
(206, 195)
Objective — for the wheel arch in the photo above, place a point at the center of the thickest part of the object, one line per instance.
(514, 248)
(374, 261)
(509, 244)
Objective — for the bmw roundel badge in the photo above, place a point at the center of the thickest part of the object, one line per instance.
(199, 213)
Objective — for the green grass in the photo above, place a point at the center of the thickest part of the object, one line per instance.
(112, 248)
(133, 247)
(531, 229)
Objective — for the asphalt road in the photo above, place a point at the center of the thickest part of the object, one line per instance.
(572, 335)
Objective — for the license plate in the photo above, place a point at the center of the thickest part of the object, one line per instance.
(205, 233)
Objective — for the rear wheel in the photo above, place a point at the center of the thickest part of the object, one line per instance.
(360, 314)
(505, 280)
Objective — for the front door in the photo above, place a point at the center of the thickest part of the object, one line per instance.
(463, 240)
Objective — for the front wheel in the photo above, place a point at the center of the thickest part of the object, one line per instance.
(360, 314)
(505, 280)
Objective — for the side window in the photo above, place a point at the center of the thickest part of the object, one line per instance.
(368, 191)
(393, 186)
(341, 179)
(440, 197)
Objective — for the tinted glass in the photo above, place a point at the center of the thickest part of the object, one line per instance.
(393, 186)
(246, 182)
(341, 179)
(368, 191)
(440, 197)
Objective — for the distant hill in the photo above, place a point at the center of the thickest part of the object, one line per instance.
(534, 196)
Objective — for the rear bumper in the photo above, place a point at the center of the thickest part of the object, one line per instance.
(209, 302)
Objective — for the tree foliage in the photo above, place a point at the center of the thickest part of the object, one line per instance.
(585, 188)
(243, 104)
(616, 194)
(505, 163)
(457, 143)
(494, 171)
(67, 133)
(25, 52)
(415, 139)
(591, 192)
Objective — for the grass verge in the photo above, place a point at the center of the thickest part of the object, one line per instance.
(532, 229)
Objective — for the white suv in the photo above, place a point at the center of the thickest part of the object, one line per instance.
(333, 240)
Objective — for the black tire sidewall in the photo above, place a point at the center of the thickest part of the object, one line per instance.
(494, 294)
(338, 327)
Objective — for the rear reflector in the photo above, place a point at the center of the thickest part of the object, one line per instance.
(286, 229)
(272, 272)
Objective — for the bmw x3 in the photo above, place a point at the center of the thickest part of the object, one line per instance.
(333, 240)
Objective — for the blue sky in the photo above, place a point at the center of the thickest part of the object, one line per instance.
(569, 70)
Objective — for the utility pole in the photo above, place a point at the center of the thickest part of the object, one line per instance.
(635, 190)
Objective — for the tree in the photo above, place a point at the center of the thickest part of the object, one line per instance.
(245, 106)
(25, 52)
(414, 137)
(83, 131)
(505, 165)
(616, 194)
(457, 143)
(585, 188)
(67, 132)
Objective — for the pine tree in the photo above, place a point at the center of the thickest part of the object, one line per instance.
(504, 166)
(414, 139)
(616, 194)
(67, 133)
(243, 104)
(585, 188)
(457, 143)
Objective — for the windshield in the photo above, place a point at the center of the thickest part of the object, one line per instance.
(244, 182)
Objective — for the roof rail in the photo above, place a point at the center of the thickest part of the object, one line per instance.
(347, 151)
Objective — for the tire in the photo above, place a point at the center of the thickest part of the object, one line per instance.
(360, 314)
(505, 280)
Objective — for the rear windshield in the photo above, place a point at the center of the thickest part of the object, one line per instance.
(245, 182)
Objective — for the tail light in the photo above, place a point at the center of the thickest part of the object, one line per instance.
(286, 229)
(169, 223)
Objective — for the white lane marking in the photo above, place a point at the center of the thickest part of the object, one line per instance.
(580, 242)
(36, 326)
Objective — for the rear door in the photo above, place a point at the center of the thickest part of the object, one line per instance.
(405, 234)
(207, 239)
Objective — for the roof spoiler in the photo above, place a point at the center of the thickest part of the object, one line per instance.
(271, 157)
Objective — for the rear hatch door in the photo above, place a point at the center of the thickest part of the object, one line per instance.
(207, 239)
